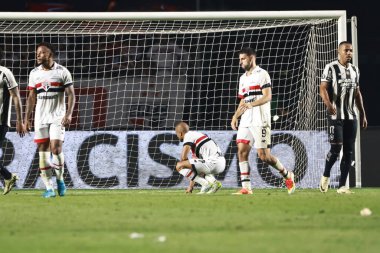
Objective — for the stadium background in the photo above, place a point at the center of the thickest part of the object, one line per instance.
(369, 57)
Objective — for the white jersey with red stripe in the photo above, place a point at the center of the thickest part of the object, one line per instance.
(201, 145)
(250, 89)
(50, 88)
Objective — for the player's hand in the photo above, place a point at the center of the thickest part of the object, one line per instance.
(363, 122)
(66, 120)
(189, 190)
(234, 123)
(247, 106)
(20, 128)
(332, 110)
(28, 126)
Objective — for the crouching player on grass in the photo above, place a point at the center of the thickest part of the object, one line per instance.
(207, 159)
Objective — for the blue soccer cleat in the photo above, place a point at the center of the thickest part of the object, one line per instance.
(49, 194)
(61, 187)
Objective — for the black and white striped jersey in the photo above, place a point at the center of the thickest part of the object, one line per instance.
(343, 83)
(7, 82)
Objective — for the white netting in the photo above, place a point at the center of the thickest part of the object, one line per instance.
(135, 79)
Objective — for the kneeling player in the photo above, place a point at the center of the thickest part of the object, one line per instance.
(208, 160)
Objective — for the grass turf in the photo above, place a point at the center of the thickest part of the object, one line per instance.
(268, 221)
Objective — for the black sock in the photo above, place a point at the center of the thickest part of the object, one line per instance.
(345, 166)
(5, 173)
(330, 160)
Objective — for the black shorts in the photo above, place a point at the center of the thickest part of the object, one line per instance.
(342, 130)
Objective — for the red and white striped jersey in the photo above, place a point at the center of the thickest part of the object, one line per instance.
(50, 88)
(250, 89)
(202, 146)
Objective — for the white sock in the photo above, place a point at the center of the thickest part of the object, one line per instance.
(210, 178)
(192, 175)
(244, 175)
(46, 176)
(46, 172)
(58, 164)
(278, 166)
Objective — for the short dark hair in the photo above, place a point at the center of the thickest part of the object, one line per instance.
(344, 42)
(248, 51)
(48, 45)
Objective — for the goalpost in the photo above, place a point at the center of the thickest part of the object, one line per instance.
(136, 74)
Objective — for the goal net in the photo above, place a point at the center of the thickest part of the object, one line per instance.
(134, 77)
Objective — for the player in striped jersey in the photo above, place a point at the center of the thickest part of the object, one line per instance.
(207, 159)
(48, 83)
(255, 93)
(340, 92)
(9, 90)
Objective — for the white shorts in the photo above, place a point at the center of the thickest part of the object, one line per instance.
(257, 136)
(213, 166)
(46, 132)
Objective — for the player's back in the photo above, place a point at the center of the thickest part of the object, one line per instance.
(202, 146)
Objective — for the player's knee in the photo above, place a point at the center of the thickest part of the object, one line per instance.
(178, 167)
(335, 149)
(264, 157)
(243, 155)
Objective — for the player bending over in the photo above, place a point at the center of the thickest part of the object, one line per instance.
(207, 159)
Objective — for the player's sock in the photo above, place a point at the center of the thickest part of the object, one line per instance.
(331, 158)
(210, 178)
(244, 175)
(278, 166)
(5, 173)
(193, 175)
(46, 171)
(58, 163)
(46, 176)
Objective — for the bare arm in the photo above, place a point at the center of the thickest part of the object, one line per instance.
(325, 97)
(184, 157)
(239, 111)
(360, 106)
(30, 103)
(20, 129)
(267, 97)
(71, 102)
(185, 152)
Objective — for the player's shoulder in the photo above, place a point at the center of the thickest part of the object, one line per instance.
(60, 67)
(35, 70)
(260, 70)
(5, 69)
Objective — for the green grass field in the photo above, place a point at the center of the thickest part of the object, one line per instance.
(268, 221)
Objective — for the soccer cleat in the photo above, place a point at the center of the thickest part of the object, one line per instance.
(205, 189)
(8, 184)
(215, 187)
(61, 187)
(290, 184)
(243, 191)
(49, 194)
(324, 184)
(344, 190)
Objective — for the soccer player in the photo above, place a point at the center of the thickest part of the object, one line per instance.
(9, 89)
(255, 93)
(207, 159)
(48, 83)
(340, 92)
